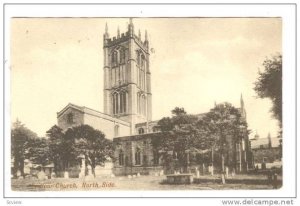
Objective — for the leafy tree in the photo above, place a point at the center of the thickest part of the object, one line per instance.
(228, 126)
(38, 151)
(56, 147)
(91, 143)
(175, 139)
(214, 131)
(269, 84)
(20, 136)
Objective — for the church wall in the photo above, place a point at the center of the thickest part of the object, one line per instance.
(129, 147)
(106, 126)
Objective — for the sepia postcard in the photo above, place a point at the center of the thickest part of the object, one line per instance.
(130, 102)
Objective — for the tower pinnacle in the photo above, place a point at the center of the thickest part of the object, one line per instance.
(131, 27)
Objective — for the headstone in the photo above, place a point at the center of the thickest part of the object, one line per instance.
(233, 172)
(66, 175)
(161, 173)
(156, 174)
(129, 176)
(197, 173)
(203, 169)
(53, 175)
(223, 178)
(82, 169)
(41, 175)
(211, 170)
(133, 176)
(112, 175)
(18, 173)
(90, 175)
(138, 174)
(227, 172)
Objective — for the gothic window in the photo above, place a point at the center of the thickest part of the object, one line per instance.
(119, 102)
(143, 62)
(141, 131)
(121, 158)
(115, 102)
(114, 58)
(70, 118)
(116, 130)
(138, 156)
(118, 74)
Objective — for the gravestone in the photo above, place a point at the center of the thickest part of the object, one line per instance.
(66, 175)
(41, 175)
(227, 172)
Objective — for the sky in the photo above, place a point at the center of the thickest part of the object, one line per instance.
(194, 63)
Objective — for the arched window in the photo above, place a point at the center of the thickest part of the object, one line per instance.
(114, 58)
(121, 158)
(123, 102)
(116, 130)
(119, 102)
(141, 131)
(115, 103)
(142, 62)
(138, 156)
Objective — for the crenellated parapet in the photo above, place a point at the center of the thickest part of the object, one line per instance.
(123, 37)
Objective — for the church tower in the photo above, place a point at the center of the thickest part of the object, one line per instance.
(127, 77)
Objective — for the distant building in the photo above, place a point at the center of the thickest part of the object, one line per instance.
(266, 152)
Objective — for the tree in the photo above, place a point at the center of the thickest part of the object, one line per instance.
(175, 139)
(56, 146)
(38, 151)
(228, 126)
(269, 84)
(20, 136)
(91, 143)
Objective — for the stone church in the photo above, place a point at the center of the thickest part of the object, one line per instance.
(127, 116)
